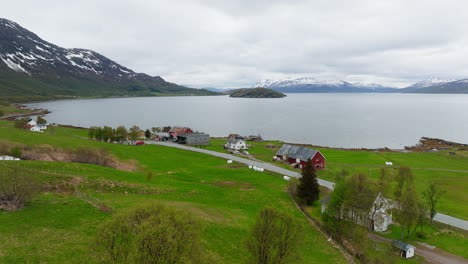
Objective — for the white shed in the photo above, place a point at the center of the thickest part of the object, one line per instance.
(407, 250)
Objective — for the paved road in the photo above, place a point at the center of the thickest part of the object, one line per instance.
(436, 256)
(456, 222)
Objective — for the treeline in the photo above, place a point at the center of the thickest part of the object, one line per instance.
(118, 134)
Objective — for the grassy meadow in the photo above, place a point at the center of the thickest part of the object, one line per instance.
(57, 227)
(454, 202)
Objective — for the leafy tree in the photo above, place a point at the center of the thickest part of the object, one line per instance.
(360, 197)
(107, 133)
(156, 130)
(2, 113)
(92, 132)
(17, 187)
(147, 133)
(432, 195)
(16, 152)
(409, 210)
(308, 190)
(274, 238)
(403, 178)
(151, 234)
(21, 123)
(121, 133)
(98, 133)
(40, 120)
(134, 133)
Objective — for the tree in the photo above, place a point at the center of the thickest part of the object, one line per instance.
(432, 195)
(16, 152)
(308, 190)
(156, 130)
(92, 132)
(17, 187)
(98, 133)
(121, 133)
(151, 234)
(274, 238)
(21, 123)
(147, 133)
(403, 177)
(134, 133)
(107, 133)
(40, 120)
(360, 196)
(1, 113)
(409, 210)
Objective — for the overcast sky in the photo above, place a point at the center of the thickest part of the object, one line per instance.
(234, 43)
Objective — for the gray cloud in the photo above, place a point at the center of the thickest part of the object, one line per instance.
(221, 43)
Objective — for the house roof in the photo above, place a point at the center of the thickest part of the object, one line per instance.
(401, 245)
(234, 140)
(180, 130)
(295, 152)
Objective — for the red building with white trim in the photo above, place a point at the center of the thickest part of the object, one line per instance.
(300, 156)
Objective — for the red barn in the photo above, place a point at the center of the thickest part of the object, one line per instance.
(300, 156)
(179, 130)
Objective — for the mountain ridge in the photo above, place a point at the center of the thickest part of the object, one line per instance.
(31, 66)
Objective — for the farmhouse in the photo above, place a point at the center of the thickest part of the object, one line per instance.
(235, 143)
(300, 156)
(174, 131)
(379, 216)
(193, 138)
(407, 250)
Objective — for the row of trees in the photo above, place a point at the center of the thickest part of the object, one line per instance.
(118, 134)
(159, 234)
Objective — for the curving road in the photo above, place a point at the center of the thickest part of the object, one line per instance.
(456, 222)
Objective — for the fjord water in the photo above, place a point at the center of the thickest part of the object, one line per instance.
(338, 120)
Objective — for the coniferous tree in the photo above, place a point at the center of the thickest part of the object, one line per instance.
(147, 133)
(308, 190)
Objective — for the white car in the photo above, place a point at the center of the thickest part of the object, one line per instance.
(246, 152)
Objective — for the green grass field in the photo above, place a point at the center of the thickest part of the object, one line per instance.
(57, 227)
(454, 202)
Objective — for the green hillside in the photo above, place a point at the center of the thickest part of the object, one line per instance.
(57, 227)
(256, 93)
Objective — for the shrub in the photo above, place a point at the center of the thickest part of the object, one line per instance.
(150, 234)
(21, 123)
(17, 187)
(95, 156)
(16, 152)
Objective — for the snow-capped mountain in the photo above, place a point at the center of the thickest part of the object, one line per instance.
(58, 70)
(429, 82)
(436, 85)
(311, 85)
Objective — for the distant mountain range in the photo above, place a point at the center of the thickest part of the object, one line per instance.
(312, 85)
(32, 67)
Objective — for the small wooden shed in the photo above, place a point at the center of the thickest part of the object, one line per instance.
(407, 250)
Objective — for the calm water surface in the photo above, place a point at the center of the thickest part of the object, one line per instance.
(339, 120)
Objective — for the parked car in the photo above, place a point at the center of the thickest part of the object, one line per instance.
(140, 143)
(246, 152)
(235, 152)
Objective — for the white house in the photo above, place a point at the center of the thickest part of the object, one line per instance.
(407, 250)
(235, 143)
(32, 122)
(380, 215)
(35, 129)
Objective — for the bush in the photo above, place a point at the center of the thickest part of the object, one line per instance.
(17, 187)
(2, 113)
(16, 152)
(150, 234)
(95, 156)
(21, 123)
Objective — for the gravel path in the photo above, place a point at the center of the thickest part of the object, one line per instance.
(456, 222)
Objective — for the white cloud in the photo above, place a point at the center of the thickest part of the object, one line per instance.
(221, 43)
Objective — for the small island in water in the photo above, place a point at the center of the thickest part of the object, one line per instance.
(255, 93)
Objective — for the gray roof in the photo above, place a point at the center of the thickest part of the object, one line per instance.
(295, 152)
(234, 140)
(192, 134)
(401, 245)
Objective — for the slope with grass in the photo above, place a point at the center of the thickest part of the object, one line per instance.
(57, 227)
(455, 183)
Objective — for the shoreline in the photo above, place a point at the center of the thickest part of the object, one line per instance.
(425, 144)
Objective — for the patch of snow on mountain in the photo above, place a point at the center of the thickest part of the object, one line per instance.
(41, 49)
(14, 66)
(430, 82)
